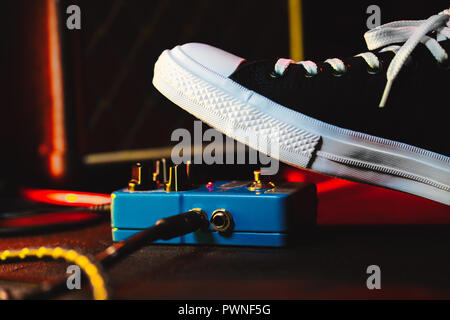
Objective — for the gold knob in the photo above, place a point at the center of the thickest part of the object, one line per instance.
(257, 184)
(257, 174)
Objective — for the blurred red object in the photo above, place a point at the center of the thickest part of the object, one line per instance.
(66, 198)
(343, 202)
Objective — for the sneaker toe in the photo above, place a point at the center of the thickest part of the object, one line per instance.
(217, 60)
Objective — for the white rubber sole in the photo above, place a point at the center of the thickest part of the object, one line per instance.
(302, 141)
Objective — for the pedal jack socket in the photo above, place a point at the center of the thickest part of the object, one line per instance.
(222, 221)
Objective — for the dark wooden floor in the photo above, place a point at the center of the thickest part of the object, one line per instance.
(414, 264)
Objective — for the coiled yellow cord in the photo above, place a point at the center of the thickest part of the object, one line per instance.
(92, 271)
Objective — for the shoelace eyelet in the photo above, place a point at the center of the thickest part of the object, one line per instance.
(340, 74)
(374, 71)
(274, 75)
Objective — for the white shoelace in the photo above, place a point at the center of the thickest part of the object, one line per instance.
(410, 32)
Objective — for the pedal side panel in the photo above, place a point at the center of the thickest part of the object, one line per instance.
(214, 238)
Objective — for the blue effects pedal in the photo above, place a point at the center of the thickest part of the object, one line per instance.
(248, 213)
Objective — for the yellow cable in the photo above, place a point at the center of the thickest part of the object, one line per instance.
(98, 283)
(295, 29)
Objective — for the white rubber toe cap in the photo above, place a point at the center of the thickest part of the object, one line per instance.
(214, 59)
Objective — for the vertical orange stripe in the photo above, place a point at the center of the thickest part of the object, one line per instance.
(295, 29)
(58, 141)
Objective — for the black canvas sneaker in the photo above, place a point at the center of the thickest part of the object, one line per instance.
(380, 117)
